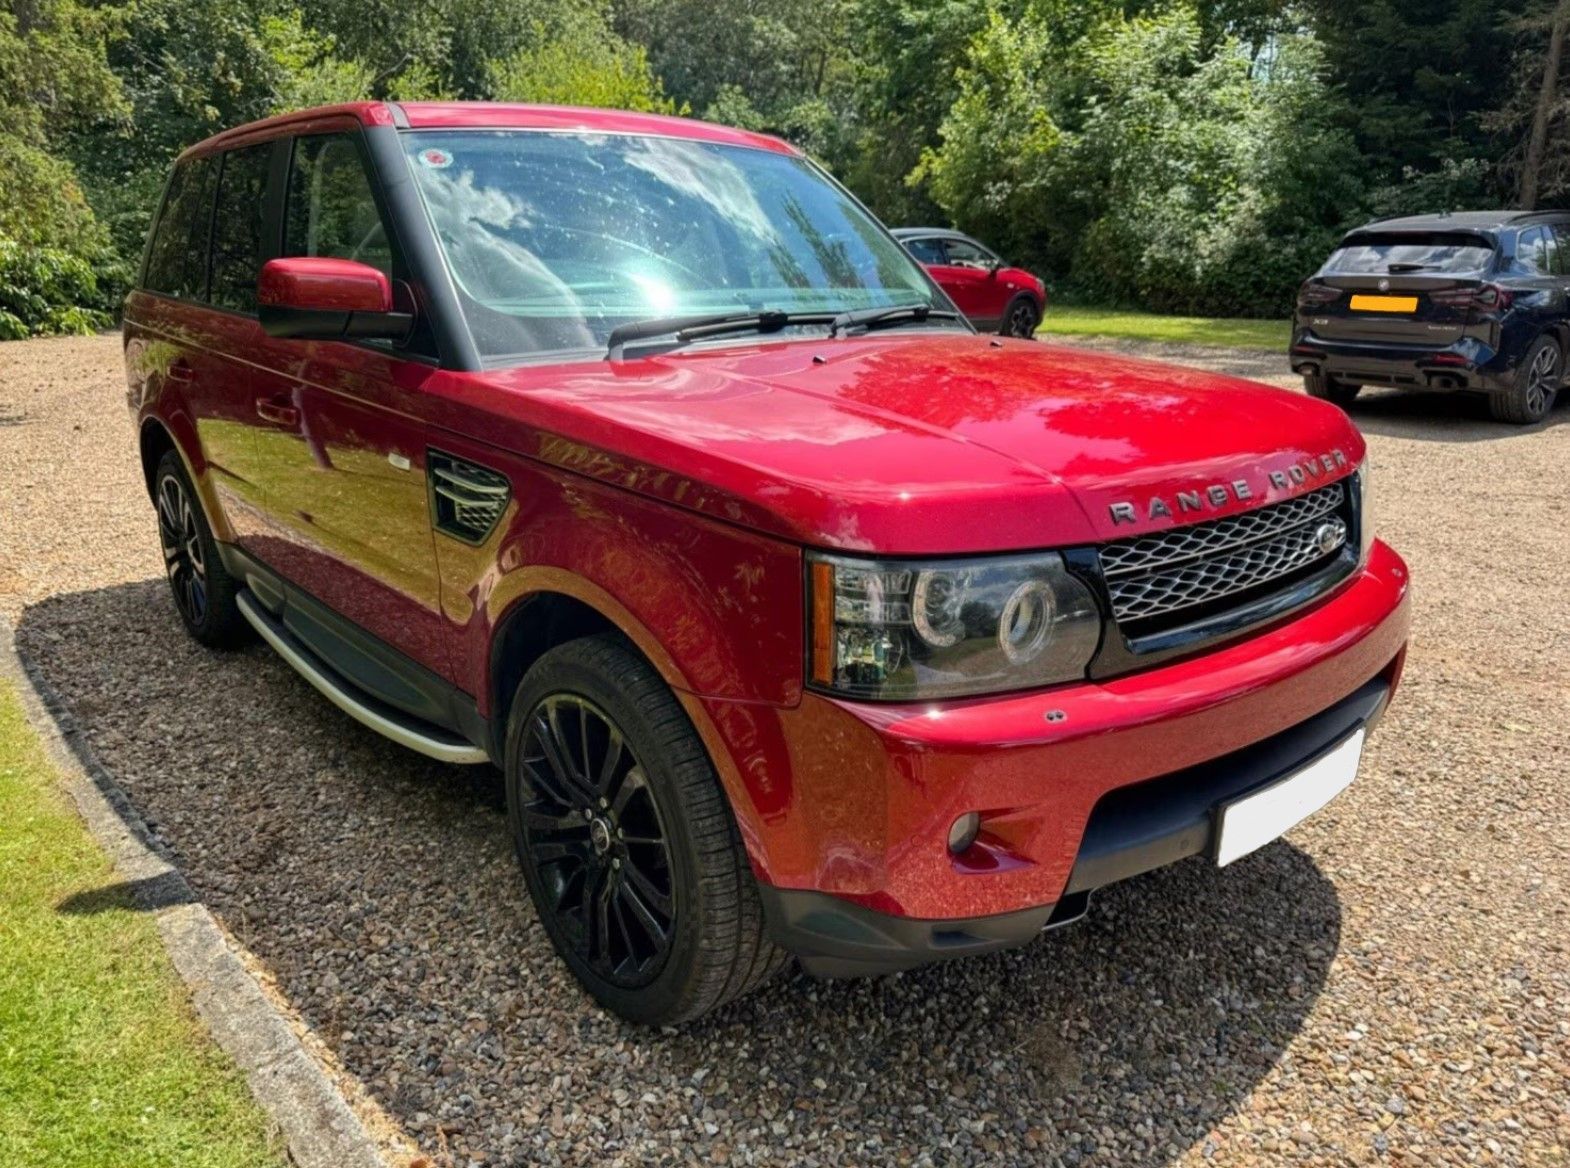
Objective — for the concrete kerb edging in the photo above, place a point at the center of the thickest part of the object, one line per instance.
(316, 1122)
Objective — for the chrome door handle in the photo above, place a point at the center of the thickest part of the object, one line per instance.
(273, 410)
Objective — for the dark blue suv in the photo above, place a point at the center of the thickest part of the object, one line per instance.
(1474, 301)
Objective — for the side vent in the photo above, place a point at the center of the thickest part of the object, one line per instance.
(467, 500)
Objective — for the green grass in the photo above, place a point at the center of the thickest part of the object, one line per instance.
(102, 1060)
(1076, 321)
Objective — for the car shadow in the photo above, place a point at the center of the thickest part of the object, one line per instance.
(1428, 416)
(380, 891)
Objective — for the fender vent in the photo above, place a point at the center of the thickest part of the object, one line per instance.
(467, 500)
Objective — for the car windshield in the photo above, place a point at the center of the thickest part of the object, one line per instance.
(1444, 253)
(554, 240)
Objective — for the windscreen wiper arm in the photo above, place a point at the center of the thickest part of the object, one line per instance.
(1400, 266)
(870, 318)
(686, 329)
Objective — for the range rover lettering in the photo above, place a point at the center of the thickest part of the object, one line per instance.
(628, 454)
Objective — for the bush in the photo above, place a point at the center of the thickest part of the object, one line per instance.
(45, 290)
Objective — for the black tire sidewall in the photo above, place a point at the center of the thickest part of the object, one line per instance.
(1008, 317)
(563, 671)
(1517, 410)
(221, 623)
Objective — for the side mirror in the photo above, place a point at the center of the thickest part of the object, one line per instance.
(993, 267)
(328, 299)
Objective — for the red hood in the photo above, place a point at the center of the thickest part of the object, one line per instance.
(919, 444)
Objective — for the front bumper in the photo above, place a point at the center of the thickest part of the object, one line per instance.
(1132, 830)
(853, 801)
(1467, 364)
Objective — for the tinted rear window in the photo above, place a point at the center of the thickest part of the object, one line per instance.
(1444, 253)
(177, 260)
(237, 227)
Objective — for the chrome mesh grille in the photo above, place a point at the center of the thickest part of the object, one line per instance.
(1186, 567)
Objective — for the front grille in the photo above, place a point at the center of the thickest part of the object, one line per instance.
(1159, 580)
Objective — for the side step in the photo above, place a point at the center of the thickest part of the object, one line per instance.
(405, 731)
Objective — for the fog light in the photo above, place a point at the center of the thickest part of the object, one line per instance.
(964, 832)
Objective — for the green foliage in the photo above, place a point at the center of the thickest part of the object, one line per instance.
(588, 66)
(1194, 155)
(46, 290)
(1152, 172)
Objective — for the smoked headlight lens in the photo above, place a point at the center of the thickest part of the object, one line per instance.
(907, 631)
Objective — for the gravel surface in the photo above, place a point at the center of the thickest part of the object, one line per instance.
(1391, 984)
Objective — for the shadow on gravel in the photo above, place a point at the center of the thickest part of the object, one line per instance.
(380, 890)
(1442, 417)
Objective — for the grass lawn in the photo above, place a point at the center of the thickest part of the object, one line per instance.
(1072, 320)
(102, 1060)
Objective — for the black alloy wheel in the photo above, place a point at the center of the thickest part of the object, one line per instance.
(204, 592)
(626, 839)
(593, 835)
(182, 543)
(1021, 319)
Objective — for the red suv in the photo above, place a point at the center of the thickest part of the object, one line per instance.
(996, 296)
(629, 455)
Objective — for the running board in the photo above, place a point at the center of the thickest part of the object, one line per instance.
(405, 731)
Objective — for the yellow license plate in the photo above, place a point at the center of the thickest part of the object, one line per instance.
(1384, 304)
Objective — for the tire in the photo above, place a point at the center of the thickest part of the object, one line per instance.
(1020, 318)
(1329, 389)
(676, 924)
(1531, 393)
(204, 592)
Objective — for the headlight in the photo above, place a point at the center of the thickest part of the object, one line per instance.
(907, 631)
(1365, 504)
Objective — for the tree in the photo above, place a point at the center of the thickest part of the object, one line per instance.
(589, 65)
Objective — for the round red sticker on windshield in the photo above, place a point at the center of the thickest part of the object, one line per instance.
(436, 159)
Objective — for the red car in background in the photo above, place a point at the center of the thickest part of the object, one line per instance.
(995, 296)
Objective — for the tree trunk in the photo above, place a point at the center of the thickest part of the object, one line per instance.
(1547, 95)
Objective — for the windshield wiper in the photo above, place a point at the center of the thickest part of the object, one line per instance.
(871, 318)
(686, 329)
(1406, 266)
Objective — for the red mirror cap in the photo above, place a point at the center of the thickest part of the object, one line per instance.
(323, 284)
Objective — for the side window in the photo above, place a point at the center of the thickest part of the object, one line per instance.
(1532, 252)
(330, 211)
(237, 227)
(965, 254)
(1561, 249)
(177, 260)
(926, 251)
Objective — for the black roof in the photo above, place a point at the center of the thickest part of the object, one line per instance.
(1462, 221)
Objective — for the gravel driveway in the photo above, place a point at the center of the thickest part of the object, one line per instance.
(1390, 984)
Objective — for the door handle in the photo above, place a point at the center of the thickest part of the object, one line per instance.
(275, 410)
(180, 370)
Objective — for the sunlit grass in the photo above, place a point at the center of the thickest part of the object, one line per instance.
(102, 1061)
(1074, 320)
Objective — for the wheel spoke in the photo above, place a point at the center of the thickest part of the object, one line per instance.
(537, 820)
(548, 731)
(614, 750)
(642, 914)
(644, 887)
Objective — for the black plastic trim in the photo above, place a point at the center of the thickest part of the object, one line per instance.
(362, 660)
(1152, 824)
(831, 937)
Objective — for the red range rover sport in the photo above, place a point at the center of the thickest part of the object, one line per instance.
(632, 456)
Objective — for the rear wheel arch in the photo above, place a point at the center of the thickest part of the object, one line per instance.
(155, 441)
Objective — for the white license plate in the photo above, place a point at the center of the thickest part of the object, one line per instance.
(1255, 820)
